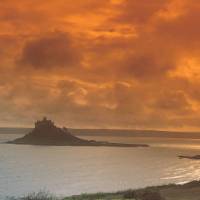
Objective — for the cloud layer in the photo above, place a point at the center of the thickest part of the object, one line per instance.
(110, 64)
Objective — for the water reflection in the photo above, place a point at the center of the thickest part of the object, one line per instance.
(73, 170)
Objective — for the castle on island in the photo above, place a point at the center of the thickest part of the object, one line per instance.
(44, 123)
(46, 133)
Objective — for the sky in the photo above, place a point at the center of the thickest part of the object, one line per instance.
(101, 64)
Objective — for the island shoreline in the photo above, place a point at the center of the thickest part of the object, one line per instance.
(46, 133)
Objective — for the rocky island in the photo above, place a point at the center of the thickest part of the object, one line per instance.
(196, 157)
(46, 133)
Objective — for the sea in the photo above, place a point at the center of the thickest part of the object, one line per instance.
(65, 171)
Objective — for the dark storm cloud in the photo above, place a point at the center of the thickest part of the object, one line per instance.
(53, 50)
(147, 66)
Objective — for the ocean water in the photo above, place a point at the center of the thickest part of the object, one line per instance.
(73, 170)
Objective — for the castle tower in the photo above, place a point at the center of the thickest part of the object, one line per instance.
(44, 123)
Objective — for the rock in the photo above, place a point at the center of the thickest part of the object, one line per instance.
(196, 157)
(46, 133)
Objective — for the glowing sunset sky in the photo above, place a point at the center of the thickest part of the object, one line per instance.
(101, 63)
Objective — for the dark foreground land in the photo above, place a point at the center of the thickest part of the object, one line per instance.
(189, 191)
(46, 133)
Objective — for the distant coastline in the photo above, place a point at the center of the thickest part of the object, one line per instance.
(135, 133)
(47, 133)
(113, 132)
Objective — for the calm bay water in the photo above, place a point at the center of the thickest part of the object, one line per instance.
(73, 170)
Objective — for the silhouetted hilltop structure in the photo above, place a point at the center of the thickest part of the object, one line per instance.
(46, 133)
(44, 123)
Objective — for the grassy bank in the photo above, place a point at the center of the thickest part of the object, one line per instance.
(189, 191)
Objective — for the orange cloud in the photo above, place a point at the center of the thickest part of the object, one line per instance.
(109, 63)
